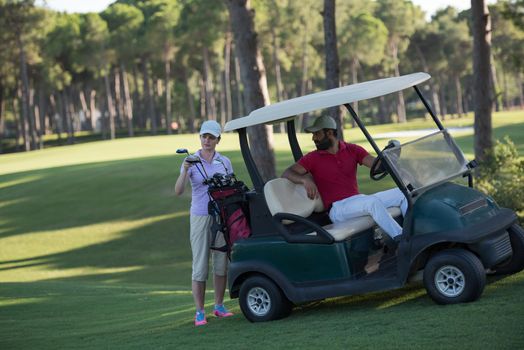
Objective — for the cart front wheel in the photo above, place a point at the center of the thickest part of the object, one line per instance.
(454, 276)
(262, 300)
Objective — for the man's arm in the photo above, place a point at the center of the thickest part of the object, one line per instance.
(299, 175)
(368, 161)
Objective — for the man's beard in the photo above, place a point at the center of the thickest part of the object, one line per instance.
(323, 144)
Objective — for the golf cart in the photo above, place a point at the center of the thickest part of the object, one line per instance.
(453, 234)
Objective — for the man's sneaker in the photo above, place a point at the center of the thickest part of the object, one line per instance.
(221, 311)
(200, 318)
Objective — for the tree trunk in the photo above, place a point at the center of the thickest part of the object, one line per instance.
(466, 100)
(202, 99)
(255, 84)
(42, 108)
(85, 109)
(2, 124)
(75, 117)
(119, 105)
(332, 63)
(401, 108)
(211, 113)
(158, 92)
(24, 94)
(138, 106)
(434, 97)
(92, 108)
(238, 85)
(305, 73)
(521, 90)
(458, 88)
(278, 75)
(382, 111)
(190, 102)
(18, 123)
(57, 121)
(481, 78)
(110, 108)
(443, 104)
(167, 68)
(68, 116)
(354, 78)
(432, 85)
(63, 112)
(38, 118)
(128, 107)
(222, 95)
(495, 86)
(32, 120)
(227, 76)
(2, 117)
(149, 97)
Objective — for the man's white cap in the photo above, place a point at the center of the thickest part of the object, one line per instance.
(210, 127)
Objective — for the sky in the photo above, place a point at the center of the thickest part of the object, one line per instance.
(429, 6)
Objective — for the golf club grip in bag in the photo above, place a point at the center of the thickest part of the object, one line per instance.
(228, 207)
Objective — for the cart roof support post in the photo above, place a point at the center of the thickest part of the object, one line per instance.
(251, 166)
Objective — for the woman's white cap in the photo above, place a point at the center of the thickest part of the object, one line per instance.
(210, 127)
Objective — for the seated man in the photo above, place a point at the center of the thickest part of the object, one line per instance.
(331, 172)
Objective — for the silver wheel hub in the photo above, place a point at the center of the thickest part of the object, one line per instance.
(450, 281)
(258, 301)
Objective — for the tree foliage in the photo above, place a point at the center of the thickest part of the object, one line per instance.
(502, 175)
(166, 65)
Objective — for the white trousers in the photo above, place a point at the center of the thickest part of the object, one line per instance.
(374, 205)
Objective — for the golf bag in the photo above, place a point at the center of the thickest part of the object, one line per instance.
(228, 206)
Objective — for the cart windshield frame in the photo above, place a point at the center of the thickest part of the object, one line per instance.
(427, 162)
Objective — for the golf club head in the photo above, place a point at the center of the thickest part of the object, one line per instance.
(193, 159)
(182, 151)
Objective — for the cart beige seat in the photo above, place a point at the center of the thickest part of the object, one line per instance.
(284, 196)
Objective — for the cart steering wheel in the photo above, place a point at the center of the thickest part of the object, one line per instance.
(378, 171)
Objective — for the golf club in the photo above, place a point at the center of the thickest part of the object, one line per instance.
(193, 159)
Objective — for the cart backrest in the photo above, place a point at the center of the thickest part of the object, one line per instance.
(284, 196)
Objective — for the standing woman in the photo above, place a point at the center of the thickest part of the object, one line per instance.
(200, 221)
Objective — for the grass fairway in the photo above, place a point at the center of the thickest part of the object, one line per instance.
(94, 253)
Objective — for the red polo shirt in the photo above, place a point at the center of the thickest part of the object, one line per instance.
(335, 174)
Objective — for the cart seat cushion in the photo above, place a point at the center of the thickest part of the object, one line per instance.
(284, 196)
(345, 229)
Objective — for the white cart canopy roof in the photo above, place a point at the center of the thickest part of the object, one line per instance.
(335, 97)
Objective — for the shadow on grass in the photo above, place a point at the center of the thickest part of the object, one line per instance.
(81, 195)
(52, 314)
(101, 197)
(126, 190)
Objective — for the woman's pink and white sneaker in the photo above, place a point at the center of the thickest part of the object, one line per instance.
(200, 318)
(221, 311)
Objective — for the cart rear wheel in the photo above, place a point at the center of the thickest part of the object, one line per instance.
(262, 300)
(454, 276)
(516, 262)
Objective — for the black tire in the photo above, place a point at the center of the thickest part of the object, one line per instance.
(516, 262)
(262, 300)
(454, 276)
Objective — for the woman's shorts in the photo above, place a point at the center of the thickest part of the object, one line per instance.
(200, 237)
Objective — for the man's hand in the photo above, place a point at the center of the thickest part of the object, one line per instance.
(297, 174)
(311, 187)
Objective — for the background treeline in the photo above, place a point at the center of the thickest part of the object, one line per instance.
(163, 66)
